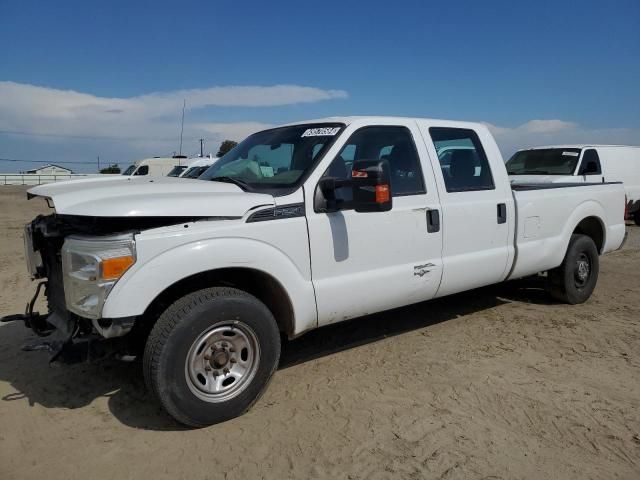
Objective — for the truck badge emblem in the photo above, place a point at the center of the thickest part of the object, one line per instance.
(422, 270)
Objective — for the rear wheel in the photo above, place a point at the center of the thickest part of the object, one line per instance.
(575, 279)
(636, 217)
(211, 355)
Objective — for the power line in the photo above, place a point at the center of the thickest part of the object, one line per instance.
(184, 104)
(88, 137)
(45, 161)
(64, 162)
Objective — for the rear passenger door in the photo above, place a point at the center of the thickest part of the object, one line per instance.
(367, 262)
(474, 209)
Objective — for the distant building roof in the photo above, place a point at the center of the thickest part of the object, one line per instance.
(48, 165)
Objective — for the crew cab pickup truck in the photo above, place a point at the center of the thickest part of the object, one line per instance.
(297, 227)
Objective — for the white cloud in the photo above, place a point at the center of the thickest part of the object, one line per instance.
(553, 131)
(240, 96)
(232, 130)
(547, 126)
(52, 124)
(533, 127)
(49, 111)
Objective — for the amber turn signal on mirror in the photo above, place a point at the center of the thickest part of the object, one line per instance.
(382, 193)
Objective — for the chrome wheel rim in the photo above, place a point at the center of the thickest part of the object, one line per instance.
(222, 361)
(583, 270)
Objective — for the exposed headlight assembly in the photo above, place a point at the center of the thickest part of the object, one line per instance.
(91, 266)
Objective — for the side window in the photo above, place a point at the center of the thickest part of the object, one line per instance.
(590, 163)
(143, 170)
(394, 144)
(462, 159)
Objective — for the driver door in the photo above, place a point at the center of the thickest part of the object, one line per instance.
(367, 262)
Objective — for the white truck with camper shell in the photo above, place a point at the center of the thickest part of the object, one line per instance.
(297, 227)
(581, 164)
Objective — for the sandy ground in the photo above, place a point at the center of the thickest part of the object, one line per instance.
(495, 383)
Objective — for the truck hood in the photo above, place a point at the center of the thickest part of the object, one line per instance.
(150, 197)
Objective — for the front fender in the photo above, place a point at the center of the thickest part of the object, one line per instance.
(135, 291)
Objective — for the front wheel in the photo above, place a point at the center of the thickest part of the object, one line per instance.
(211, 355)
(636, 217)
(575, 279)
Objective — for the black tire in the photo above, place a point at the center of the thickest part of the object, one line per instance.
(636, 217)
(173, 340)
(568, 283)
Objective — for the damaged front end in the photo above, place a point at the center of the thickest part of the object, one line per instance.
(77, 260)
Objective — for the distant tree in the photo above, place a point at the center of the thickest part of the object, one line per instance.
(225, 146)
(111, 169)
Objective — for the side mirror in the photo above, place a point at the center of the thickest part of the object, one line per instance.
(590, 168)
(325, 200)
(371, 186)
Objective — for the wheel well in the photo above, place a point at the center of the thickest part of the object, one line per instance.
(259, 284)
(592, 227)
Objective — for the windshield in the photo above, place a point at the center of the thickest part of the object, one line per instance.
(544, 161)
(277, 158)
(129, 170)
(176, 171)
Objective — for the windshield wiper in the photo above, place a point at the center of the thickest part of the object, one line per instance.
(243, 185)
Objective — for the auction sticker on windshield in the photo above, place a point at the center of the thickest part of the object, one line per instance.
(321, 132)
(571, 154)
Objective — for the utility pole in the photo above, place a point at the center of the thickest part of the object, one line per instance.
(184, 104)
(98, 163)
(202, 148)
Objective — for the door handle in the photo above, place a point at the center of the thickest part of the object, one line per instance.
(502, 213)
(433, 221)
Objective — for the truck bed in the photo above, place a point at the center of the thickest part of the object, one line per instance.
(546, 214)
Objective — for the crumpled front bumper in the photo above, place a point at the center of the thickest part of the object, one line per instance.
(68, 338)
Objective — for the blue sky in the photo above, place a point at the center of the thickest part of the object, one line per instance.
(538, 72)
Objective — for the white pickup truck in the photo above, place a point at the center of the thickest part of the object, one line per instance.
(298, 227)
